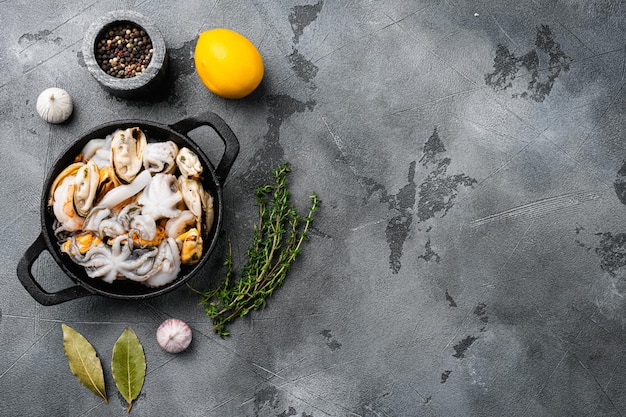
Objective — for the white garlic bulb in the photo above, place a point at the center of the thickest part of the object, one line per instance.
(54, 105)
(174, 335)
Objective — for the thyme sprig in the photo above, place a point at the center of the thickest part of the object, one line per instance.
(276, 243)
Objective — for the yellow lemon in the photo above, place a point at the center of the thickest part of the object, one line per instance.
(228, 63)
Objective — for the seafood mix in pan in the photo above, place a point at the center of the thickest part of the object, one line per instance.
(132, 209)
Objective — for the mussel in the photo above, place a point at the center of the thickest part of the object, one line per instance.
(190, 243)
(86, 183)
(192, 193)
(188, 163)
(127, 147)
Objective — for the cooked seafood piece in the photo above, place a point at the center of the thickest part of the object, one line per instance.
(188, 163)
(91, 148)
(111, 223)
(80, 243)
(178, 225)
(111, 227)
(132, 264)
(127, 147)
(160, 157)
(108, 181)
(98, 263)
(86, 185)
(168, 263)
(144, 226)
(127, 213)
(209, 213)
(102, 154)
(161, 197)
(69, 170)
(118, 261)
(190, 246)
(155, 241)
(95, 217)
(63, 206)
(132, 210)
(193, 193)
(119, 194)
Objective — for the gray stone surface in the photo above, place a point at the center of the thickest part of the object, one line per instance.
(468, 257)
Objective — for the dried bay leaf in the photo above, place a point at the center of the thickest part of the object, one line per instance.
(128, 365)
(84, 361)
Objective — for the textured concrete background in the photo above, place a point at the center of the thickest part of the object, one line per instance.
(469, 255)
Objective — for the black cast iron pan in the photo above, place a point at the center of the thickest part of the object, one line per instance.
(212, 180)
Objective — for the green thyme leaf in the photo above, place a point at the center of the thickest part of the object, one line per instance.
(276, 242)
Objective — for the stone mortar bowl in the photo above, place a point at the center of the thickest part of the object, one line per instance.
(142, 85)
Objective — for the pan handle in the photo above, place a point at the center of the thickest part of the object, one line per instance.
(231, 144)
(34, 289)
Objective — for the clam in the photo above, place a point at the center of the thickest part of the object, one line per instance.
(127, 147)
(86, 183)
(160, 157)
(188, 163)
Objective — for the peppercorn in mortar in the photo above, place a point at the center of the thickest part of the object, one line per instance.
(124, 51)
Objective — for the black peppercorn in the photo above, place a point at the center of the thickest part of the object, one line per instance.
(124, 50)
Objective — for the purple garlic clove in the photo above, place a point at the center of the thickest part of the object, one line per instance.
(174, 335)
